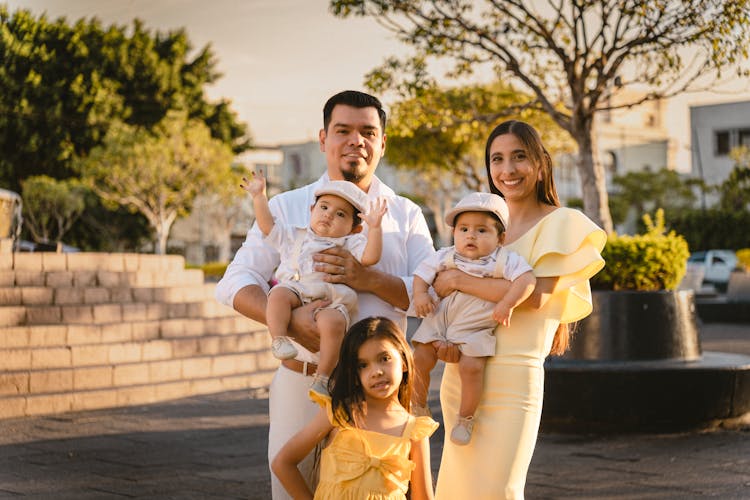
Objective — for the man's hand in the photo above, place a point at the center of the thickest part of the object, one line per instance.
(341, 267)
(302, 327)
(447, 351)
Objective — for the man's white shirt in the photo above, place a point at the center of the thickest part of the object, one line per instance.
(406, 243)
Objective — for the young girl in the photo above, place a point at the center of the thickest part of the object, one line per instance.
(375, 449)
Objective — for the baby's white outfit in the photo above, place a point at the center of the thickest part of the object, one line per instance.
(296, 246)
(461, 318)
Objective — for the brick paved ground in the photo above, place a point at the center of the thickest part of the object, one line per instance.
(213, 447)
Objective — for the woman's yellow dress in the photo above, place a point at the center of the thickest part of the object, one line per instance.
(564, 244)
(365, 465)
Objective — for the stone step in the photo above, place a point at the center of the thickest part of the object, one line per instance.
(41, 295)
(128, 366)
(114, 312)
(90, 330)
(72, 356)
(93, 261)
(49, 403)
(84, 278)
(62, 335)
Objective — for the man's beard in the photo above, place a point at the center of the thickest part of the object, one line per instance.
(354, 175)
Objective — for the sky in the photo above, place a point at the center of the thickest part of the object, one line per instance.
(282, 59)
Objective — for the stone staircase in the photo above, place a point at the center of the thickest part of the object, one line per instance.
(83, 331)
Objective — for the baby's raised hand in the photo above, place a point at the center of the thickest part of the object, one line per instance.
(256, 185)
(375, 213)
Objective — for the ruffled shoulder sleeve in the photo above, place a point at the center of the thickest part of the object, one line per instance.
(423, 427)
(325, 403)
(567, 244)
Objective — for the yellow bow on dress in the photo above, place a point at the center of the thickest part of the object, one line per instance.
(352, 464)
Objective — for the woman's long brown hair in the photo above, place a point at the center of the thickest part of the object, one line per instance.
(545, 190)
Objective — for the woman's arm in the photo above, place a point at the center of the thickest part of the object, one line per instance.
(284, 464)
(421, 476)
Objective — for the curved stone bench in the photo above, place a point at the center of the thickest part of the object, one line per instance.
(636, 365)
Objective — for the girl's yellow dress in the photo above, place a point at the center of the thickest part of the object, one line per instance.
(365, 465)
(566, 244)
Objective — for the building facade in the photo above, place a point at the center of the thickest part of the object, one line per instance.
(715, 130)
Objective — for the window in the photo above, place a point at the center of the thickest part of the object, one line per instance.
(721, 143)
(744, 137)
(211, 253)
(726, 140)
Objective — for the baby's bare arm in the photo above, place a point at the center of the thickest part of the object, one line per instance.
(373, 218)
(256, 186)
(423, 302)
(520, 290)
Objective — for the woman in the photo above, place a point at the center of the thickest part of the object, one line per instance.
(563, 246)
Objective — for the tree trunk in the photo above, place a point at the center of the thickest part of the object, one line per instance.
(160, 245)
(162, 232)
(224, 242)
(593, 181)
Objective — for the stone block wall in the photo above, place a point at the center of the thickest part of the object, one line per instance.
(82, 331)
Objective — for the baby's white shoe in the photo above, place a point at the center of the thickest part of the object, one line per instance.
(461, 433)
(320, 386)
(282, 348)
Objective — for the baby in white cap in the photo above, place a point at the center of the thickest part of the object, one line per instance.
(479, 222)
(335, 221)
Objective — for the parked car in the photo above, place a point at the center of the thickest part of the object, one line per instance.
(30, 246)
(716, 265)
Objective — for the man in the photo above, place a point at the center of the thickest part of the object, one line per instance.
(353, 140)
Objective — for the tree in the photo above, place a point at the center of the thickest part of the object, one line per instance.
(223, 207)
(62, 84)
(735, 190)
(50, 207)
(155, 173)
(646, 191)
(442, 133)
(571, 55)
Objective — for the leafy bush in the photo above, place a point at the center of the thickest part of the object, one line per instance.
(211, 270)
(713, 228)
(743, 257)
(656, 260)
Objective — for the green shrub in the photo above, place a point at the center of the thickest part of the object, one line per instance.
(712, 228)
(652, 261)
(211, 270)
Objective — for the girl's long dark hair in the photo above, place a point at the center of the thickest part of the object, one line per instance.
(545, 190)
(346, 390)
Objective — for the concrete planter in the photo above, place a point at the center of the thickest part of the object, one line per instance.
(633, 325)
(636, 365)
(738, 288)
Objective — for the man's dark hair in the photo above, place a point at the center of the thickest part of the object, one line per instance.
(355, 99)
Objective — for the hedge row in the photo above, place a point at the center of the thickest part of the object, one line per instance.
(704, 230)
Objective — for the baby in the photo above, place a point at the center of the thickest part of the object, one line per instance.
(335, 221)
(479, 221)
